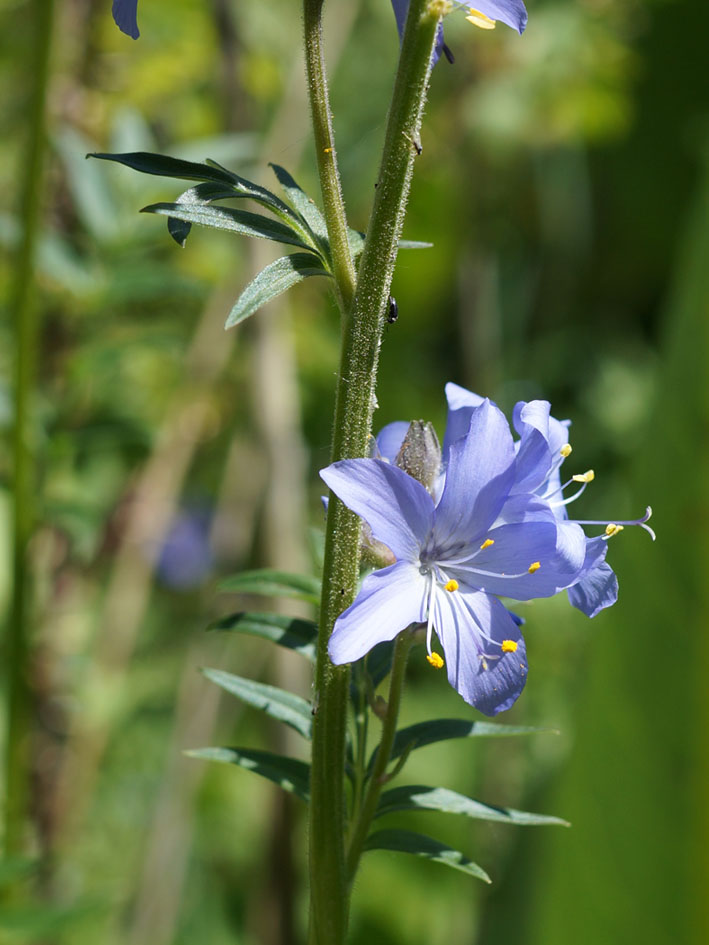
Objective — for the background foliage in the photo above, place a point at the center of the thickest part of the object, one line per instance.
(563, 184)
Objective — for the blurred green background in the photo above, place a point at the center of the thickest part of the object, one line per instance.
(563, 182)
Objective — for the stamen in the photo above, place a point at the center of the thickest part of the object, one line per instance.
(637, 521)
(498, 574)
(451, 585)
(613, 529)
(509, 646)
(435, 660)
(480, 19)
(488, 543)
(534, 566)
(565, 450)
(588, 476)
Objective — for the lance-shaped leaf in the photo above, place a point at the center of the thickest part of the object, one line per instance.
(295, 634)
(418, 844)
(419, 797)
(201, 194)
(438, 730)
(356, 240)
(288, 773)
(271, 583)
(304, 205)
(274, 280)
(161, 165)
(277, 703)
(231, 219)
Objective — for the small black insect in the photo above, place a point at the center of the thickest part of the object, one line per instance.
(393, 310)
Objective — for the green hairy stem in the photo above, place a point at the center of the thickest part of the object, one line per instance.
(363, 309)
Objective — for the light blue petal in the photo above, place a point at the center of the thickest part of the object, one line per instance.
(511, 12)
(390, 438)
(598, 586)
(125, 15)
(461, 403)
(485, 677)
(478, 478)
(396, 507)
(542, 437)
(389, 601)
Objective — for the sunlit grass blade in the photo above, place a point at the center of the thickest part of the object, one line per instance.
(293, 633)
(289, 774)
(269, 583)
(418, 844)
(277, 703)
(419, 797)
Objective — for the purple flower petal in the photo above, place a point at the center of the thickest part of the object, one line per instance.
(125, 15)
(461, 403)
(511, 12)
(396, 507)
(390, 438)
(478, 479)
(598, 585)
(484, 676)
(518, 547)
(389, 601)
(401, 8)
(542, 437)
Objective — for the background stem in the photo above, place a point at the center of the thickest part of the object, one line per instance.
(19, 712)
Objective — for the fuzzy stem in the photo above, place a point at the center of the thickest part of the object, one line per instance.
(362, 326)
(24, 484)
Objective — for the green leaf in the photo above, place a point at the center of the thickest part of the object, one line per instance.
(295, 634)
(438, 730)
(356, 241)
(418, 844)
(230, 218)
(201, 194)
(277, 703)
(420, 797)
(271, 583)
(274, 280)
(288, 773)
(163, 166)
(304, 205)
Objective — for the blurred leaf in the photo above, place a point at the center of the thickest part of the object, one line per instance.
(420, 797)
(14, 868)
(270, 583)
(277, 703)
(291, 632)
(438, 730)
(274, 280)
(303, 204)
(288, 773)
(231, 219)
(405, 841)
(379, 661)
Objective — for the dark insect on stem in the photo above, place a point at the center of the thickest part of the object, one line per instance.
(393, 310)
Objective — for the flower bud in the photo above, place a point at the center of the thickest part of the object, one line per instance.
(420, 453)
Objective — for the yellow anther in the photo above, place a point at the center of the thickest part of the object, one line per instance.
(588, 476)
(613, 529)
(534, 566)
(565, 450)
(509, 646)
(435, 660)
(488, 543)
(479, 19)
(451, 585)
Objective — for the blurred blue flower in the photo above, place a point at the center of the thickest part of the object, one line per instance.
(186, 559)
(125, 14)
(455, 556)
(485, 14)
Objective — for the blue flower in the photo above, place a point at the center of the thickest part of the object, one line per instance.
(455, 556)
(541, 451)
(125, 14)
(485, 14)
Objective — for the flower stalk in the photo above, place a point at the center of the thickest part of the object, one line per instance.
(362, 320)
